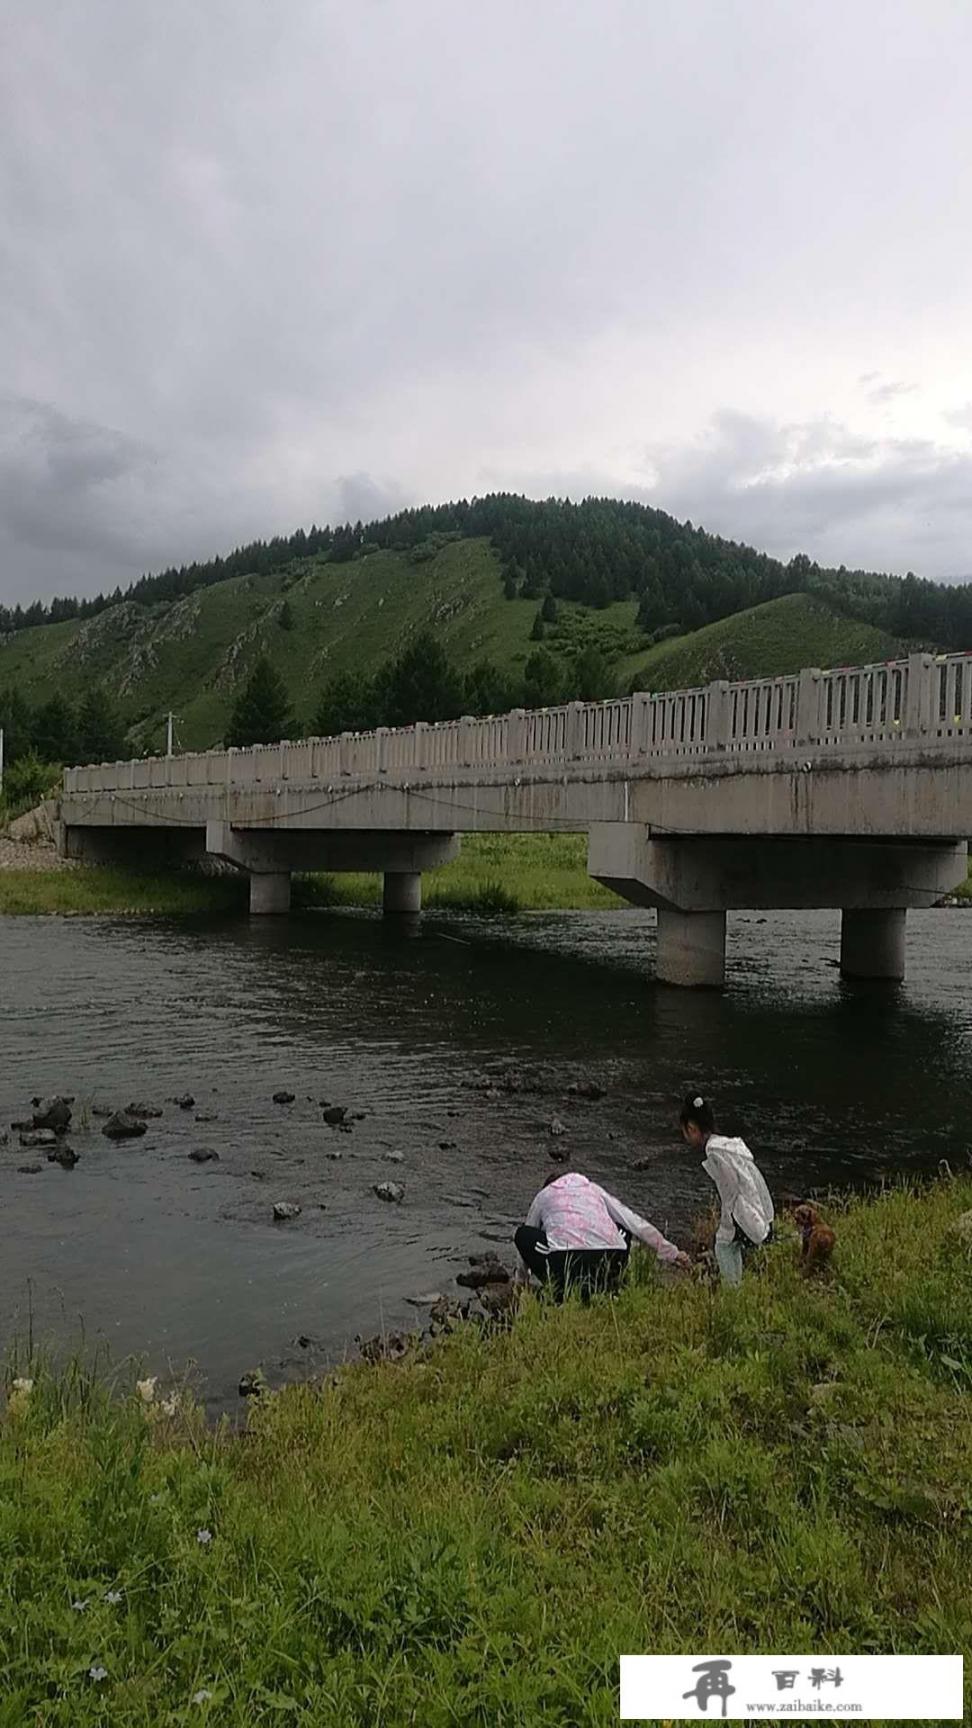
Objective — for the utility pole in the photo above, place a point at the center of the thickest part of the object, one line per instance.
(168, 733)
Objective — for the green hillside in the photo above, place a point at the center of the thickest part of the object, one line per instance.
(764, 641)
(316, 619)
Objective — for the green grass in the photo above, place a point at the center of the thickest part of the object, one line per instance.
(472, 1536)
(89, 891)
(765, 641)
(494, 873)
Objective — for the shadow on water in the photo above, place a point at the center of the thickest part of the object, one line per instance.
(394, 1018)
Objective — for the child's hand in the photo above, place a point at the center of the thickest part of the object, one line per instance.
(683, 1261)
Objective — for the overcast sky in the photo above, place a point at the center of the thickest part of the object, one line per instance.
(263, 264)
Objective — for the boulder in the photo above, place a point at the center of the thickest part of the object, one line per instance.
(144, 1112)
(284, 1097)
(427, 1299)
(556, 1128)
(392, 1191)
(642, 1163)
(30, 1169)
(334, 1115)
(253, 1384)
(53, 1113)
(123, 1126)
(63, 1155)
(483, 1269)
(102, 1110)
(283, 1209)
(587, 1089)
(185, 1101)
(558, 1154)
(38, 1137)
(333, 1152)
(204, 1155)
(207, 1115)
(394, 1157)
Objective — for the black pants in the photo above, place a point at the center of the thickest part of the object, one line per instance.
(585, 1270)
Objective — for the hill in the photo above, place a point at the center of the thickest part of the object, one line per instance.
(316, 619)
(781, 636)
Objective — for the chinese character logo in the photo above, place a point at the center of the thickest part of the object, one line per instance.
(712, 1682)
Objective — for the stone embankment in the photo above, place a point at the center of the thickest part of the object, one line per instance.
(27, 843)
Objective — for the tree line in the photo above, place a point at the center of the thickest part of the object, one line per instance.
(594, 551)
(48, 734)
(421, 683)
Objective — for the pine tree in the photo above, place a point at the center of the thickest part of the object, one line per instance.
(285, 617)
(422, 684)
(537, 633)
(548, 610)
(261, 713)
(348, 704)
(101, 733)
(55, 731)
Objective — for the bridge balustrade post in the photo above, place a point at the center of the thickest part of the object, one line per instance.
(808, 706)
(640, 723)
(516, 734)
(574, 729)
(381, 748)
(717, 716)
(919, 695)
(420, 747)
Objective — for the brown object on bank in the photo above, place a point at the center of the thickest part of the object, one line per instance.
(818, 1240)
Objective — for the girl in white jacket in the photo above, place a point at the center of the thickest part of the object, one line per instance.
(746, 1209)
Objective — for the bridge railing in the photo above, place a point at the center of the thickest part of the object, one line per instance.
(925, 698)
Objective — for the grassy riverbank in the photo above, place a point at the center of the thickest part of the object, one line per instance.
(473, 1535)
(494, 872)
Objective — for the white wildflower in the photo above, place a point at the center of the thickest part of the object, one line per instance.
(146, 1388)
(23, 1387)
(202, 1696)
(113, 1596)
(80, 1605)
(204, 1537)
(170, 1406)
(96, 1672)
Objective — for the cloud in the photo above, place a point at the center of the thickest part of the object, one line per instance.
(819, 487)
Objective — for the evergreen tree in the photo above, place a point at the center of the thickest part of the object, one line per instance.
(537, 633)
(16, 723)
(261, 713)
(490, 691)
(101, 732)
(348, 704)
(548, 610)
(285, 617)
(422, 684)
(543, 680)
(591, 680)
(55, 731)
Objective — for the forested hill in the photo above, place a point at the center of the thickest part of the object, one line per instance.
(593, 553)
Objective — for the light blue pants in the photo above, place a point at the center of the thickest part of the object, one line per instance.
(729, 1259)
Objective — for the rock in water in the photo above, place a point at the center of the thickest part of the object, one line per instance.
(642, 1163)
(556, 1127)
(53, 1113)
(123, 1126)
(144, 1112)
(587, 1089)
(483, 1269)
(390, 1191)
(334, 1115)
(63, 1155)
(394, 1157)
(38, 1137)
(30, 1169)
(283, 1209)
(284, 1097)
(186, 1101)
(253, 1384)
(207, 1115)
(204, 1155)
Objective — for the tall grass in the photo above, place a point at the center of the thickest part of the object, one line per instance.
(494, 873)
(472, 1536)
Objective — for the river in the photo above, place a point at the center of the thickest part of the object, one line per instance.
(140, 1251)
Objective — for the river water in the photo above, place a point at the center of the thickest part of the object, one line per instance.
(144, 1252)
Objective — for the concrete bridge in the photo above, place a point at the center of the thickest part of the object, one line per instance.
(849, 788)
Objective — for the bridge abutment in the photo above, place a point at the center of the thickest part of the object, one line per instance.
(402, 892)
(691, 949)
(872, 943)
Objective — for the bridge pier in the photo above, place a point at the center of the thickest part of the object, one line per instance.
(872, 943)
(269, 893)
(402, 891)
(691, 949)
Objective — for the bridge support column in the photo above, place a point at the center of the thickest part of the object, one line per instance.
(270, 892)
(402, 891)
(872, 943)
(691, 948)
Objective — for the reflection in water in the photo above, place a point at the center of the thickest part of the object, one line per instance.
(159, 1255)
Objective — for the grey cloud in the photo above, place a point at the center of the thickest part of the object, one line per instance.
(265, 265)
(816, 488)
